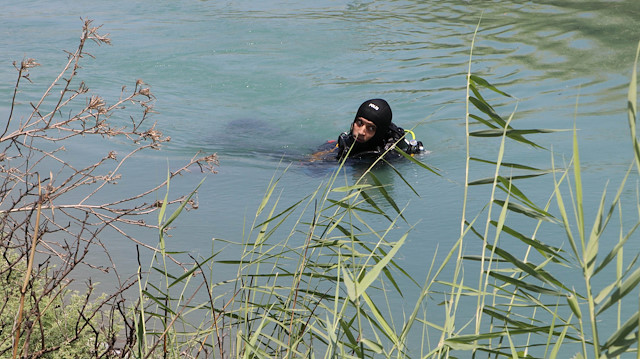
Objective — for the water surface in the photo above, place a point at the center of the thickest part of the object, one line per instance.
(262, 84)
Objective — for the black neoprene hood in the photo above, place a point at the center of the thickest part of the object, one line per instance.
(377, 111)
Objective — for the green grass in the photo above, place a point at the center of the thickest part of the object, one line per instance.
(57, 314)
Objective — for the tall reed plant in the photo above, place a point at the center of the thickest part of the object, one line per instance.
(543, 300)
(305, 280)
(313, 277)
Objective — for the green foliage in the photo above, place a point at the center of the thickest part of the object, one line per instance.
(314, 278)
(535, 306)
(61, 324)
(306, 292)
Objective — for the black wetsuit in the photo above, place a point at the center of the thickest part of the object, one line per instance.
(373, 149)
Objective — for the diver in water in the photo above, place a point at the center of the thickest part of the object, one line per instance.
(372, 133)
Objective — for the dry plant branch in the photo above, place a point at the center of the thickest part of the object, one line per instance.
(53, 227)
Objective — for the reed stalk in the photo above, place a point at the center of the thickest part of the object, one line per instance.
(27, 273)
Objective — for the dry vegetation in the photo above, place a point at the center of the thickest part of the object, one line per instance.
(53, 212)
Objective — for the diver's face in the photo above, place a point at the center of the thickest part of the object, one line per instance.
(363, 130)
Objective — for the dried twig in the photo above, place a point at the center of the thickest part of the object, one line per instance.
(70, 215)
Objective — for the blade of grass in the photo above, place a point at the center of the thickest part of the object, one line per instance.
(632, 98)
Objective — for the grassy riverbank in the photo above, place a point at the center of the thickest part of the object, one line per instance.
(319, 277)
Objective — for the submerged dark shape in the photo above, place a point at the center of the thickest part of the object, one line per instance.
(254, 137)
(251, 129)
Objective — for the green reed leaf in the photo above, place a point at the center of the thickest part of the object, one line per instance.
(488, 110)
(380, 187)
(393, 281)
(544, 249)
(537, 214)
(256, 335)
(478, 258)
(616, 249)
(604, 292)
(471, 338)
(528, 268)
(159, 302)
(490, 180)
(628, 285)
(594, 238)
(165, 201)
(559, 340)
(177, 212)
(267, 196)
(374, 272)
(380, 321)
(347, 326)
(415, 161)
(509, 132)
(510, 165)
(400, 174)
(514, 352)
(484, 83)
(350, 207)
(476, 92)
(563, 215)
(349, 284)
(618, 340)
(483, 121)
(512, 190)
(287, 211)
(162, 272)
(141, 335)
(525, 286)
(623, 347)
(463, 344)
(190, 271)
(632, 98)
(375, 347)
(356, 187)
(373, 204)
(495, 314)
(577, 172)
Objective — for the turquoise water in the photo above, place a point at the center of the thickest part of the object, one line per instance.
(262, 84)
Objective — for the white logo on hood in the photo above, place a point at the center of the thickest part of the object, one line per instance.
(373, 106)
